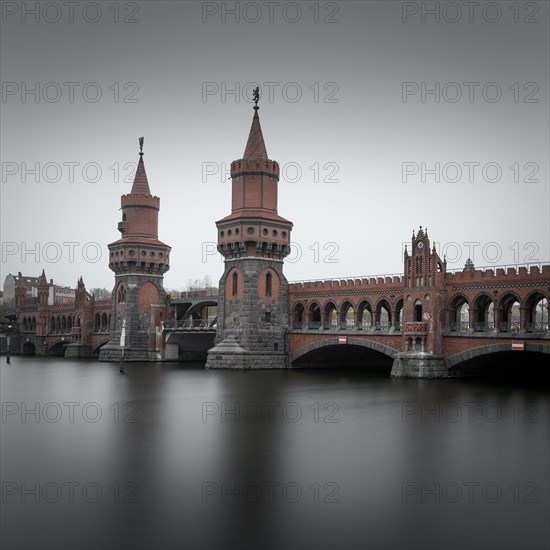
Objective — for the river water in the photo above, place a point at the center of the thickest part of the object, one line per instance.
(175, 456)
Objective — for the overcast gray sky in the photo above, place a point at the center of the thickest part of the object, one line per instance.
(351, 121)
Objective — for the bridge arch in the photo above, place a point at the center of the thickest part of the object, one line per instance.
(98, 346)
(58, 348)
(333, 342)
(462, 357)
(29, 348)
(195, 308)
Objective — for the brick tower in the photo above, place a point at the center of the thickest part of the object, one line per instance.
(139, 261)
(254, 240)
(423, 311)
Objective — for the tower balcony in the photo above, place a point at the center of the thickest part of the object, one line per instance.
(123, 227)
(415, 328)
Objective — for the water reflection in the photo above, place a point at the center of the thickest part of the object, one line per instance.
(189, 458)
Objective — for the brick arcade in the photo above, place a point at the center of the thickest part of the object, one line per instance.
(427, 322)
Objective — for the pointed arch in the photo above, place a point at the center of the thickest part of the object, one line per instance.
(314, 315)
(347, 315)
(365, 317)
(382, 315)
(330, 315)
(298, 314)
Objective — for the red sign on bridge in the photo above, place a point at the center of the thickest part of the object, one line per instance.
(518, 345)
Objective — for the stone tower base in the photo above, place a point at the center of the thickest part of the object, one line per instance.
(419, 365)
(230, 355)
(113, 352)
(78, 351)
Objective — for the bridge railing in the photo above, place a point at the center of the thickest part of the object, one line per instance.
(463, 327)
(190, 323)
(536, 327)
(347, 325)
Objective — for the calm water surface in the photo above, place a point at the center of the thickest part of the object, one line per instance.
(174, 456)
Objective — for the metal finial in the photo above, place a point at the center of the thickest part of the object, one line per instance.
(256, 97)
(141, 146)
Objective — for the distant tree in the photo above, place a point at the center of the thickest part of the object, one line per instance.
(101, 293)
(199, 284)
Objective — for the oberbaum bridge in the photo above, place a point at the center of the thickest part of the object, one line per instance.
(425, 323)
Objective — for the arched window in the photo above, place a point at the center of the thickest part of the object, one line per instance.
(268, 284)
(418, 311)
(298, 316)
(235, 284)
(97, 322)
(419, 270)
(121, 295)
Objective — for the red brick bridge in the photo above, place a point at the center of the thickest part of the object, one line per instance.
(427, 321)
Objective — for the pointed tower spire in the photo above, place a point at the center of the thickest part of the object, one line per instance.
(139, 260)
(141, 185)
(255, 146)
